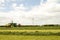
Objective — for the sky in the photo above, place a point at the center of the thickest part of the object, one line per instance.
(30, 12)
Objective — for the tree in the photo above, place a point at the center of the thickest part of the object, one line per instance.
(19, 25)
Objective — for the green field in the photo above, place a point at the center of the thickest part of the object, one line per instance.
(31, 32)
(15, 37)
(5, 33)
(54, 31)
(29, 28)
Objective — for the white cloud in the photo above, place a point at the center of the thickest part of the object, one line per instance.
(46, 13)
(1, 0)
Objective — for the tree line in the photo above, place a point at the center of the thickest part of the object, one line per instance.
(19, 25)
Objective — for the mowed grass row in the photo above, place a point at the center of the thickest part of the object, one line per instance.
(15, 37)
(30, 30)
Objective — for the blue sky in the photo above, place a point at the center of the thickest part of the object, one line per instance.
(27, 3)
(30, 11)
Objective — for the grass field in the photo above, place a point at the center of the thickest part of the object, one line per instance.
(29, 37)
(15, 37)
(29, 28)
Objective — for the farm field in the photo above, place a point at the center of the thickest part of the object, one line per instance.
(14, 33)
(29, 28)
(15, 37)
